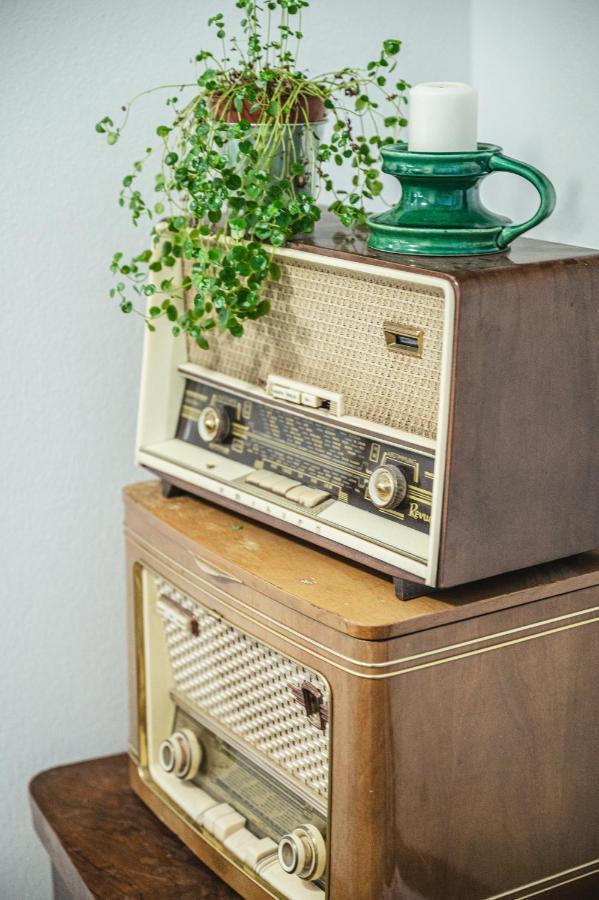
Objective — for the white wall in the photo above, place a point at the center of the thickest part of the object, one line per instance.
(536, 65)
(69, 360)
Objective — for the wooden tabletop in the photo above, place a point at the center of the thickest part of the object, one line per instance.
(103, 842)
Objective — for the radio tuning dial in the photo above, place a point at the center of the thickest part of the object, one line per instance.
(181, 754)
(214, 424)
(303, 852)
(387, 487)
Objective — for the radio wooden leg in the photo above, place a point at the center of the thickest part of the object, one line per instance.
(409, 590)
(170, 490)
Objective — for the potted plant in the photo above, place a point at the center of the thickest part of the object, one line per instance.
(241, 166)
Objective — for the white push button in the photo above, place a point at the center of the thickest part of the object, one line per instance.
(267, 480)
(312, 400)
(282, 485)
(227, 825)
(307, 496)
(222, 820)
(271, 481)
(202, 802)
(258, 851)
(240, 841)
(255, 477)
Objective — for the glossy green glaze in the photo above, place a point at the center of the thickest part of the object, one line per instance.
(440, 212)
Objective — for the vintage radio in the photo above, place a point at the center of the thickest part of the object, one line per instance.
(310, 737)
(436, 419)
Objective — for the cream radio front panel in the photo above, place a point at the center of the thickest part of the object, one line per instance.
(237, 736)
(328, 418)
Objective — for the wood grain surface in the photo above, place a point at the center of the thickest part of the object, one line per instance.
(344, 596)
(330, 237)
(105, 843)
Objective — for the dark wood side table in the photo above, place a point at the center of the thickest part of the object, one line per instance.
(103, 842)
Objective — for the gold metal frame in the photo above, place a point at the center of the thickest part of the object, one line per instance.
(392, 330)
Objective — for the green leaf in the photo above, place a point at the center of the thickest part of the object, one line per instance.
(273, 108)
(392, 47)
(163, 131)
(235, 327)
(233, 182)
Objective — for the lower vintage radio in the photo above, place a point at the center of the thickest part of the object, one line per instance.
(237, 735)
(309, 737)
(436, 420)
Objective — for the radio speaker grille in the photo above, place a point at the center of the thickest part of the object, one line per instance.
(247, 689)
(326, 328)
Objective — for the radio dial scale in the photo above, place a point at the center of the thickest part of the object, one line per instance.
(300, 457)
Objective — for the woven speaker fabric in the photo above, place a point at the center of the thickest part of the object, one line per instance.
(246, 687)
(325, 328)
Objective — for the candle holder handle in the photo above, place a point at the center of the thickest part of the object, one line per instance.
(501, 163)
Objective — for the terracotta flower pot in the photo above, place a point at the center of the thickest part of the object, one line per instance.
(306, 108)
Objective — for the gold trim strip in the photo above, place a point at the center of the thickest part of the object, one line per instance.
(532, 884)
(191, 576)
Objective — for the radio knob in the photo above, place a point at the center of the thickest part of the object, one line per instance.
(181, 754)
(214, 424)
(387, 487)
(303, 852)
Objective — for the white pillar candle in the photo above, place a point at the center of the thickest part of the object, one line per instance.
(442, 117)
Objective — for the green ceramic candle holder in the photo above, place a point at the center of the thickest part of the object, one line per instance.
(441, 213)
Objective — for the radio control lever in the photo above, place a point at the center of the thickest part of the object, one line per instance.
(214, 424)
(387, 486)
(303, 852)
(181, 754)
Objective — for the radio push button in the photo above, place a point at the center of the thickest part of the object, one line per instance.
(283, 485)
(387, 487)
(307, 496)
(222, 821)
(286, 487)
(271, 481)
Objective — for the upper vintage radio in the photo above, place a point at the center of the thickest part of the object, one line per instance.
(434, 418)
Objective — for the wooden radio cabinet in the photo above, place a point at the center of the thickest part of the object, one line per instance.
(462, 728)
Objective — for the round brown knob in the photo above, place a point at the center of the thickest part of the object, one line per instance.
(303, 852)
(181, 754)
(214, 424)
(387, 487)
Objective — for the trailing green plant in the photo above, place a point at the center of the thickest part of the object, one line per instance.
(242, 163)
